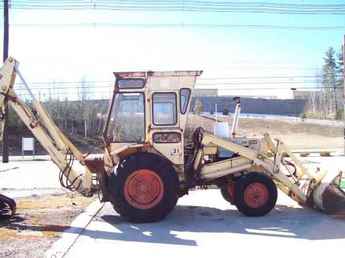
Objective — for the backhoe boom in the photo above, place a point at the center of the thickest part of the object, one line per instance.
(62, 152)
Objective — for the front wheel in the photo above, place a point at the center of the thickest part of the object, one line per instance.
(255, 194)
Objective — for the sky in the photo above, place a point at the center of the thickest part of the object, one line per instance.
(54, 46)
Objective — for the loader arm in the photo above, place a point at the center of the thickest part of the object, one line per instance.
(74, 175)
(317, 189)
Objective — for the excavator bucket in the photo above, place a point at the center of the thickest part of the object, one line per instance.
(316, 188)
(329, 196)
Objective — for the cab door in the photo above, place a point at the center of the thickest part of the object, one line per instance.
(165, 132)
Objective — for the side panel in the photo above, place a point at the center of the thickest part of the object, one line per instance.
(169, 147)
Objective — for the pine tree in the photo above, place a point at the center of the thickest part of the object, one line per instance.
(329, 81)
(340, 70)
(340, 83)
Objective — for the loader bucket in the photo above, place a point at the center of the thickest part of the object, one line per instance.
(328, 196)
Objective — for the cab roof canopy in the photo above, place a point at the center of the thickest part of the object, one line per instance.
(125, 75)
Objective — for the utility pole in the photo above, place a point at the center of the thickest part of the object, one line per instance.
(344, 87)
(5, 55)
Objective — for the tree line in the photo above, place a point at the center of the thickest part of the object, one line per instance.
(327, 102)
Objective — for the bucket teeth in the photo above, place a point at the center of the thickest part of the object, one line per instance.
(333, 200)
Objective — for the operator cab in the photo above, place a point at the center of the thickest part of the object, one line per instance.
(150, 108)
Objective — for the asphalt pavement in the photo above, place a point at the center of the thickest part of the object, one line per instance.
(204, 225)
(27, 177)
(201, 225)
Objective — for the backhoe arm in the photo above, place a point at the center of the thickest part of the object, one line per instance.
(74, 175)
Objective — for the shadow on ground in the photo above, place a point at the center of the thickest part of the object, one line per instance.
(284, 221)
(287, 222)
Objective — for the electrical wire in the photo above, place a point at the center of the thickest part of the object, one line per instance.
(187, 25)
(107, 93)
(186, 6)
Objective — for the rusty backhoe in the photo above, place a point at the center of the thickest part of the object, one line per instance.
(148, 164)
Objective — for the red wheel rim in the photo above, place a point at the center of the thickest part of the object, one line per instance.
(256, 195)
(143, 189)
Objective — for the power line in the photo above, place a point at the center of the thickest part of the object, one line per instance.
(67, 82)
(98, 86)
(291, 77)
(186, 25)
(262, 77)
(186, 6)
(225, 81)
(65, 90)
(108, 94)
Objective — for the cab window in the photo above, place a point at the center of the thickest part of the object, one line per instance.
(135, 83)
(127, 121)
(164, 108)
(184, 99)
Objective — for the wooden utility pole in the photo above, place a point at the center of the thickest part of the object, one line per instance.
(344, 87)
(5, 55)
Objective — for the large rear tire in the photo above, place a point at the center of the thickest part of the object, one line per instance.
(144, 188)
(255, 194)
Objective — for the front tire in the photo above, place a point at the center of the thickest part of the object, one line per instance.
(255, 194)
(144, 188)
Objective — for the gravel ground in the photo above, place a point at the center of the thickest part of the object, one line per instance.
(295, 135)
(39, 222)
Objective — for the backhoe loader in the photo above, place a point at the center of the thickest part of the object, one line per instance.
(148, 161)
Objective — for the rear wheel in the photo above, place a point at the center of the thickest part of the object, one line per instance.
(255, 194)
(144, 188)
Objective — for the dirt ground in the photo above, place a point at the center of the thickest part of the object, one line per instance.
(38, 223)
(296, 135)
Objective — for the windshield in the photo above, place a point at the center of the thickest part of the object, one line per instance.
(127, 121)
